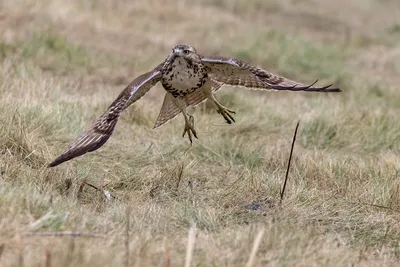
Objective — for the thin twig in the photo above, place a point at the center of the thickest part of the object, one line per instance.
(99, 189)
(127, 237)
(374, 205)
(80, 190)
(2, 246)
(167, 258)
(152, 192)
(190, 246)
(254, 249)
(67, 233)
(180, 174)
(381, 207)
(290, 160)
(20, 249)
(48, 258)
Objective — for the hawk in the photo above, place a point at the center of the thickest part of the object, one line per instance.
(188, 78)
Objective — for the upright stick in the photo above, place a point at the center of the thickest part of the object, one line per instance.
(290, 159)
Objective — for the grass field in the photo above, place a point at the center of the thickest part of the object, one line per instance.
(63, 62)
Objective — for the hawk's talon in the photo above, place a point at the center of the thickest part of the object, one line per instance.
(230, 111)
(225, 113)
(189, 128)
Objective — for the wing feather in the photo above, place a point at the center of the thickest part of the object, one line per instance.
(240, 73)
(104, 126)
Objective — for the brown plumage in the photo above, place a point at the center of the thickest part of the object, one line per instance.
(102, 129)
(237, 72)
(189, 79)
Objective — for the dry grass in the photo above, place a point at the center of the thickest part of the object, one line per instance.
(216, 203)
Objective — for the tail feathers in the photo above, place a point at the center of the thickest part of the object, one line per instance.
(169, 110)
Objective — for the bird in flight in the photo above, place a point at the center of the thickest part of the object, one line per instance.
(188, 78)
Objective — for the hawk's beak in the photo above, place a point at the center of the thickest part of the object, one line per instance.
(178, 53)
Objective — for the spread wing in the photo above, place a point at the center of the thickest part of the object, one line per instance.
(103, 127)
(240, 73)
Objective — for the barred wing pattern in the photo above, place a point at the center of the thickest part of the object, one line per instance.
(240, 73)
(102, 129)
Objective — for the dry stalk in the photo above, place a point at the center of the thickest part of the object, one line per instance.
(67, 233)
(290, 160)
(127, 239)
(190, 246)
(254, 249)
(167, 258)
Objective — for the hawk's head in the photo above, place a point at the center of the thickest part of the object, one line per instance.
(185, 51)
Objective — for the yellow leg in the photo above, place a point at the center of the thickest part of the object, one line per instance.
(189, 127)
(224, 111)
(189, 119)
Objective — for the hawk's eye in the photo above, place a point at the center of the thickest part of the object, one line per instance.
(186, 52)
